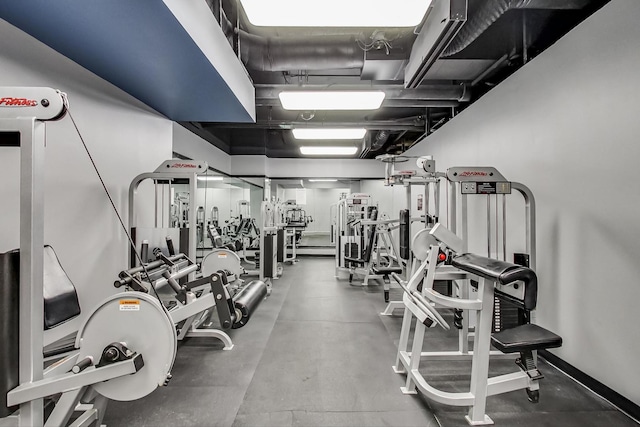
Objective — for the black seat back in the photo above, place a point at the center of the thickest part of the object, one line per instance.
(368, 250)
(60, 305)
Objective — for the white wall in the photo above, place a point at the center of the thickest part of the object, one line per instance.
(306, 168)
(566, 125)
(192, 146)
(125, 139)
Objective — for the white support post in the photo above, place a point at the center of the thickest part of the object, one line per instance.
(480, 361)
(32, 140)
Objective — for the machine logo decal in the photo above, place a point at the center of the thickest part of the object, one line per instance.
(17, 102)
(184, 165)
(473, 173)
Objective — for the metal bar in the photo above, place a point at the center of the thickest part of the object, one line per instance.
(65, 407)
(31, 265)
(502, 60)
(488, 225)
(28, 392)
(480, 363)
(86, 419)
(504, 227)
(530, 220)
(182, 312)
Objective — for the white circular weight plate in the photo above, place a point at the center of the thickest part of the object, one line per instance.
(421, 243)
(137, 320)
(221, 259)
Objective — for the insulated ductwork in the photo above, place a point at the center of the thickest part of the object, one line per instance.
(491, 10)
(309, 53)
(379, 139)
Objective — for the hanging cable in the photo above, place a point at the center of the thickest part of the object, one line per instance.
(113, 205)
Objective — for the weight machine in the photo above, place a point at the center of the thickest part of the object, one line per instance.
(348, 234)
(479, 286)
(424, 178)
(173, 214)
(113, 356)
(190, 304)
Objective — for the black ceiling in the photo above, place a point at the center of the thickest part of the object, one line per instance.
(407, 115)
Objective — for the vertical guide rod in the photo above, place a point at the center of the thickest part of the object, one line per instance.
(32, 139)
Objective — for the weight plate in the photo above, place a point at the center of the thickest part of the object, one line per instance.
(221, 259)
(137, 320)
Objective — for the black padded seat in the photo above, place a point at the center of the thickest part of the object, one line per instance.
(60, 304)
(386, 270)
(60, 298)
(501, 272)
(525, 338)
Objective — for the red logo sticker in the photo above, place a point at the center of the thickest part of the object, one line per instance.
(17, 102)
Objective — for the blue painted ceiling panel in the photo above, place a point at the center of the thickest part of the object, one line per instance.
(136, 45)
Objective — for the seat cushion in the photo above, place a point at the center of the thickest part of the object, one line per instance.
(524, 338)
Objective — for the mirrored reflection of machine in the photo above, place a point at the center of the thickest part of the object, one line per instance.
(349, 235)
(293, 221)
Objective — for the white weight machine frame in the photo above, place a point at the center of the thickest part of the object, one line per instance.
(25, 110)
(427, 246)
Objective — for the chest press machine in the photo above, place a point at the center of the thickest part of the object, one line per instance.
(113, 356)
(480, 282)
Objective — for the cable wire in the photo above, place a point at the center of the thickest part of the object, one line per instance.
(113, 205)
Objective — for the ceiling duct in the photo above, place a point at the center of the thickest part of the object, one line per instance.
(491, 10)
(379, 139)
(441, 25)
(308, 53)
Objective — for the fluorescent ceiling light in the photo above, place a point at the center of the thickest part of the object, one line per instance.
(328, 151)
(331, 100)
(210, 178)
(336, 13)
(328, 133)
(322, 180)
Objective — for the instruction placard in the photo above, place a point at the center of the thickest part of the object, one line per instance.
(129, 305)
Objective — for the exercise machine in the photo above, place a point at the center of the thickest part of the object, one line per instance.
(426, 181)
(113, 355)
(481, 289)
(191, 304)
(381, 256)
(349, 235)
(175, 184)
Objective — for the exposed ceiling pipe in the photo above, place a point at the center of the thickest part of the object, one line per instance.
(312, 53)
(379, 139)
(491, 10)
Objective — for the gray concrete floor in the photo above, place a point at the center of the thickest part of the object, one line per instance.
(317, 353)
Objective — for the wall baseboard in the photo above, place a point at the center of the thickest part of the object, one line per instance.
(624, 404)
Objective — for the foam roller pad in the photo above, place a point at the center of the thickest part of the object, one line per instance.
(248, 300)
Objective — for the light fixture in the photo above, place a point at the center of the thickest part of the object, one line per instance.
(329, 133)
(310, 150)
(210, 178)
(331, 100)
(322, 180)
(336, 13)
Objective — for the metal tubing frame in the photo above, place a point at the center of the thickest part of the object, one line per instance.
(32, 147)
(69, 381)
(168, 176)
